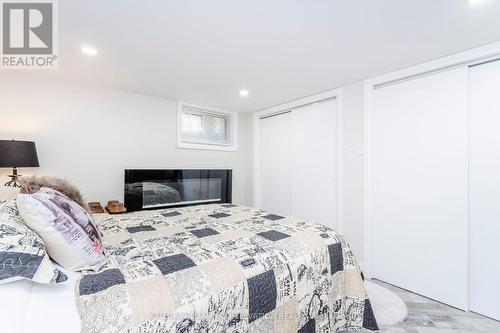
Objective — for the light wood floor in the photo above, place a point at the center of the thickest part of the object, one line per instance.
(428, 316)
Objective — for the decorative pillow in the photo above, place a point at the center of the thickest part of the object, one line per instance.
(67, 230)
(30, 185)
(22, 253)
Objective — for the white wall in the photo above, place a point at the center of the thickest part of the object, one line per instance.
(352, 168)
(90, 134)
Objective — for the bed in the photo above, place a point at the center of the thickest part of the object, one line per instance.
(24, 306)
(221, 268)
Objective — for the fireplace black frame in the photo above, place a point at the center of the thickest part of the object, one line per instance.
(134, 202)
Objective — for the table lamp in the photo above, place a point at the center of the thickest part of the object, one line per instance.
(17, 154)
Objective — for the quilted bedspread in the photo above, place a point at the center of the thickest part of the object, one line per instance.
(222, 268)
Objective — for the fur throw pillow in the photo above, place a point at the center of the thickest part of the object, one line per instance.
(33, 184)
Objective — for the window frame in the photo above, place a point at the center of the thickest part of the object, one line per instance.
(232, 125)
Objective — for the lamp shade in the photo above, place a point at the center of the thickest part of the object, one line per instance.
(18, 154)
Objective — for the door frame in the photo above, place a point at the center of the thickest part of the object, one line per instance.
(281, 108)
(467, 58)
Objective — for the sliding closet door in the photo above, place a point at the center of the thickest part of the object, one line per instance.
(276, 163)
(314, 162)
(484, 215)
(420, 191)
(299, 163)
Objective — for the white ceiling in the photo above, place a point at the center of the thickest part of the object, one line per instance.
(204, 52)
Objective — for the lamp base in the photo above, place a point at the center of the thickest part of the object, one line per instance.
(14, 182)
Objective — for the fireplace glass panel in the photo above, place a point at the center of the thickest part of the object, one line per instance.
(150, 189)
(160, 193)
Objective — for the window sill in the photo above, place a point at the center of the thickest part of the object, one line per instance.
(200, 146)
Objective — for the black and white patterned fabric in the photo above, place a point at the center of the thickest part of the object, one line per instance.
(222, 268)
(22, 252)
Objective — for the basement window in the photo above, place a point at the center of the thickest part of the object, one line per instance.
(204, 128)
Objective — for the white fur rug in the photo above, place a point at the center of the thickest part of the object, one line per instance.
(388, 308)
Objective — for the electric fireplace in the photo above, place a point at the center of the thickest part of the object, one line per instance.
(154, 189)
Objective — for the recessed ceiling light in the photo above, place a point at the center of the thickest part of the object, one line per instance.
(476, 2)
(243, 92)
(89, 50)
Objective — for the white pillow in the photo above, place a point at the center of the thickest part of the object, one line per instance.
(67, 230)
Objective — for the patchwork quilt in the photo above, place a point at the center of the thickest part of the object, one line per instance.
(222, 268)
